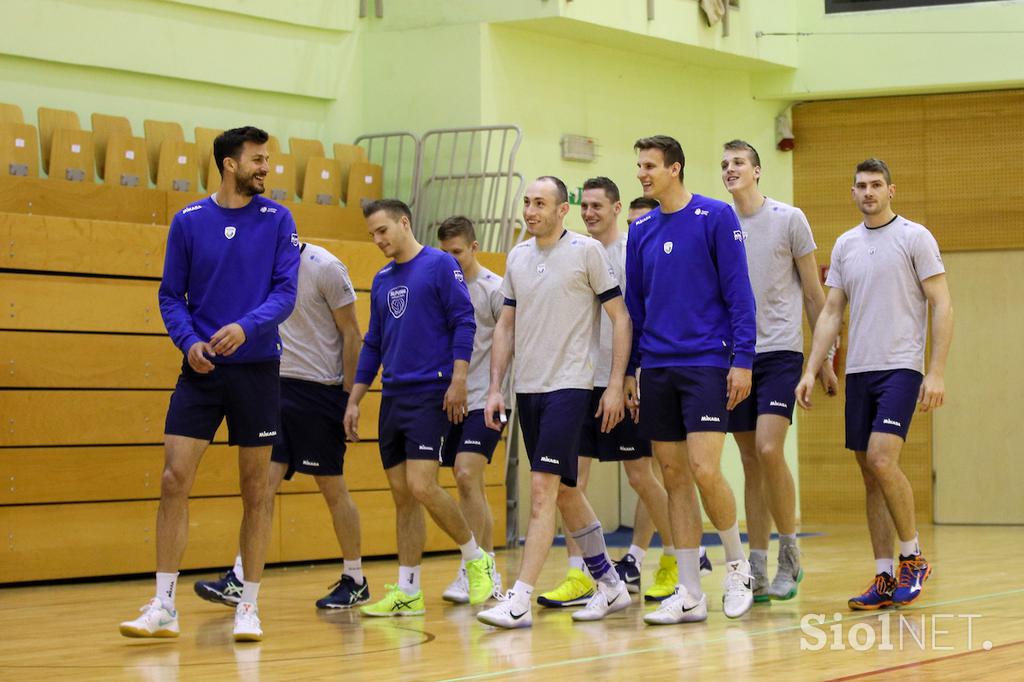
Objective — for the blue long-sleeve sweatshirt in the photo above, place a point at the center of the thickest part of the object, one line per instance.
(421, 321)
(230, 265)
(688, 290)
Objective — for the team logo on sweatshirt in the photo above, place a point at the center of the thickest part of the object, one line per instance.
(667, 246)
(458, 275)
(295, 238)
(541, 268)
(398, 300)
(229, 231)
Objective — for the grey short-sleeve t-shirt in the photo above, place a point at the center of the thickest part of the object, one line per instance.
(555, 290)
(485, 291)
(775, 236)
(310, 340)
(880, 270)
(616, 252)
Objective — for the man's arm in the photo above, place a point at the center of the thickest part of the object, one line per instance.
(825, 332)
(173, 307)
(634, 299)
(458, 308)
(933, 389)
(348, 326)
(612, 405)
(814, 302)
(502, 344)
(734, 283)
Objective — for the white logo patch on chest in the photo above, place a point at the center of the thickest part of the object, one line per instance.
(229, 231)
(668, 247)
(541, 268)
(398, 301)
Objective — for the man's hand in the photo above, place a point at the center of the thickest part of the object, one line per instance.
(632, 396)
(932, 393)
(737, 386)
(495, 406)
(829, 380)
(227, 339)
(455, 400)
(198, 357)
(351, 422)
(804, 390)
(611, 409)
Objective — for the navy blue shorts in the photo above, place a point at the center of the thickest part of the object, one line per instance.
(248, 394)
(772, 390)
(621, 444)
(551, 424)
(675, 401)
(882, 401)
(472, 435)
(312, 428)
(412, 427)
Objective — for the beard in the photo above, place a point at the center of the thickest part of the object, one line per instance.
(248, 185)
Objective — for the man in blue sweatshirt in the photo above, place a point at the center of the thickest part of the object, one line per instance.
(421, 329)
(689, 296)
(229, 279)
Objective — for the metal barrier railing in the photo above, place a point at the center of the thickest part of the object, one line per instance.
(398, 153)
(472, 173)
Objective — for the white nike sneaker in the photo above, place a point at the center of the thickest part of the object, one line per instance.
(607, 599)
(681, 607)
(458, 591)
(247, 623)
(155, 621)
(509, 613)
(739, 593)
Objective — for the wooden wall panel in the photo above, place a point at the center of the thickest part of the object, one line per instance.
(944, 152)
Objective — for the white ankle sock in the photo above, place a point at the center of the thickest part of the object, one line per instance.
(522, 593)
(732, 543)
(577, 563)
(166, 586)
(409, 579)
(688, 561)
(239, 571)
(638, 554)
(471, 551)
(703, 550)
(884, 566)
(910, 547)
(250, 592)
(354, 569)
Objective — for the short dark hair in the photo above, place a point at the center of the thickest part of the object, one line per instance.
(456, 226)
(743, 146)
(395, 208)
(611, 190)
(561, 191)
(230, 143)
(670, 149)
(873, 165)
(645, 203)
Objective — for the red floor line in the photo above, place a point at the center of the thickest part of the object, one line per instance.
(872, 673)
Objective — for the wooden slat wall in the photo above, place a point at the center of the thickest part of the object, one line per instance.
(87, 374)
(955, 161)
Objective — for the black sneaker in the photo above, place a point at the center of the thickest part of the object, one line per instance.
(628, 572)
(345, 594)
(227, 590)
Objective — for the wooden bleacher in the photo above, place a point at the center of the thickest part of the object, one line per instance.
(88, 373)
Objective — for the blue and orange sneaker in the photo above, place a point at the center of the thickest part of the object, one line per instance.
(877, 596)
(913, 571)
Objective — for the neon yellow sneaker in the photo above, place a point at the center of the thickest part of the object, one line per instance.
(665, 580)
(575, 590)
(396, 603)
(480, 573)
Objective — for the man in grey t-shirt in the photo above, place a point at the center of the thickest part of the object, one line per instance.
(784, 278)
(470, 445)
(320, 348)
(891, 272)
(555, 286)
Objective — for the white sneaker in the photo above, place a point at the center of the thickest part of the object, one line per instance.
(681, 607)
(509, 613)
(247, 623)
(155, 621)
(607, 599)
(458, 591)
(739, 593)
